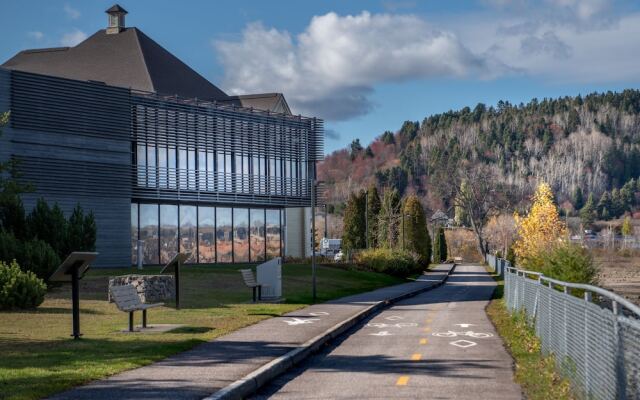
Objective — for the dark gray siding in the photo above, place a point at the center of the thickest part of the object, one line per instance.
(88, 162)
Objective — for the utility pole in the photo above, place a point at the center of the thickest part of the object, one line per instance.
(326, 231)
(402, 231)
(313, 230)
(366, 219)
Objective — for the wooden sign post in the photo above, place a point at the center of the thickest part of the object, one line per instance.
(174, 266)
(72, 270)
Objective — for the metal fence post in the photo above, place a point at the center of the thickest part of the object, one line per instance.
(621, 377)
(587, 384)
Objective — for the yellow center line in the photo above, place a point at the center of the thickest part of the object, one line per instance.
(427, 329)
(423, 341)
(402, 381)
(429, 321)
(416, 357)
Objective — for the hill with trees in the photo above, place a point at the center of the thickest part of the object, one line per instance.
(583, 147)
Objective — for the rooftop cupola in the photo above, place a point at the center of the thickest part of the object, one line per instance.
(116, 19)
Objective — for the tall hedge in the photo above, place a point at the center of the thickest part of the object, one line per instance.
(415, 233)
(373, 214)
(353, 236)
(440, 246)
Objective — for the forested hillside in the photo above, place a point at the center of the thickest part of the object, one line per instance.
(590, 143)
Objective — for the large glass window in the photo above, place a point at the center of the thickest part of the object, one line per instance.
(206, 235)
(162, 167)
(149, 232)
(173, 177)
(240, 235)
(202, 170)
(141, 161)
(191, 169)
(228, 172)
(273, 233)
(134, 233)
(257, 239)
(210, 170)
(211, 234)
(221, 171)
(188, 232)
(182, 165)
(151, 166)
(224, 236)
(168, 232)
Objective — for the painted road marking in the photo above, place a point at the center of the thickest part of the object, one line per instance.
(463, 343)
(423, 341)
(429, 321)
(416, 357)
(318, 313)
(464, 325)
(477, 335)
(381, 333)
(427, 329)
(402, 381)
(398, 325)
(299, 321)
(393, 318)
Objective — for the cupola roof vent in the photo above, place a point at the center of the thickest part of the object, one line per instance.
(116, 19)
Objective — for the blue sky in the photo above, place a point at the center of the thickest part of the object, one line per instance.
(366, 66)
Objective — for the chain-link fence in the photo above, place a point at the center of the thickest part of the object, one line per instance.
(593, 333)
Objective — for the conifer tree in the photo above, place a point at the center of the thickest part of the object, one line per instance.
(353, 236)
(588, 213)
(578, 198)
(415, 233)
(389, 219)
(373, 214)
(439, 246)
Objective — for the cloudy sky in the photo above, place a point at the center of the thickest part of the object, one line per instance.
(366, 66)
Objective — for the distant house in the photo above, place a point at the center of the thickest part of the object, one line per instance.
(441, 219)
(156, 151)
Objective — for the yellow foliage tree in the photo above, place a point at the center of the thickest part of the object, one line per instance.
(539, 231)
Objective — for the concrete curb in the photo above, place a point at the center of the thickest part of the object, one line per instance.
(250, 383)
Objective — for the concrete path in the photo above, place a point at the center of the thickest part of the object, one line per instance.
(207, 368)
(437, 345)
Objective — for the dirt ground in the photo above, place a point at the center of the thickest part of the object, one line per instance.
(619, 272)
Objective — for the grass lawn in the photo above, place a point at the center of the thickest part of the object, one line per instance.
(38, 357)
(535, 373)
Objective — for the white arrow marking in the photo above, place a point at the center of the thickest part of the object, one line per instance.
(381, 333)
(464, 325)
(298, 321)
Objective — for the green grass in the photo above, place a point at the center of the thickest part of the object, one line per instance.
(38, 358)
(535, 372)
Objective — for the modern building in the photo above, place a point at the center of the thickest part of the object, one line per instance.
(157, 152)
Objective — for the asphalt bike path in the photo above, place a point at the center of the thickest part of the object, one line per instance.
(437, 345)
(207, 368)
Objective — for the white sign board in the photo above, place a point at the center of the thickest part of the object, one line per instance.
(269, 275)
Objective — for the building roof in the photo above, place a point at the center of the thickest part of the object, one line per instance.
(127, 59)
(116, 8)
(439, 215)
(274, 102)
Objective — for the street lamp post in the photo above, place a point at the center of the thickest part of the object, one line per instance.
(314, 184)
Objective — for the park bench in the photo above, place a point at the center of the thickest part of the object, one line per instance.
(127, 300)
(250, 281)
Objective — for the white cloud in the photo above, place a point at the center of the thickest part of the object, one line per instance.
(37, 35)
(72, 38)
(71, 12)
(331, 68)
(568, 41)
